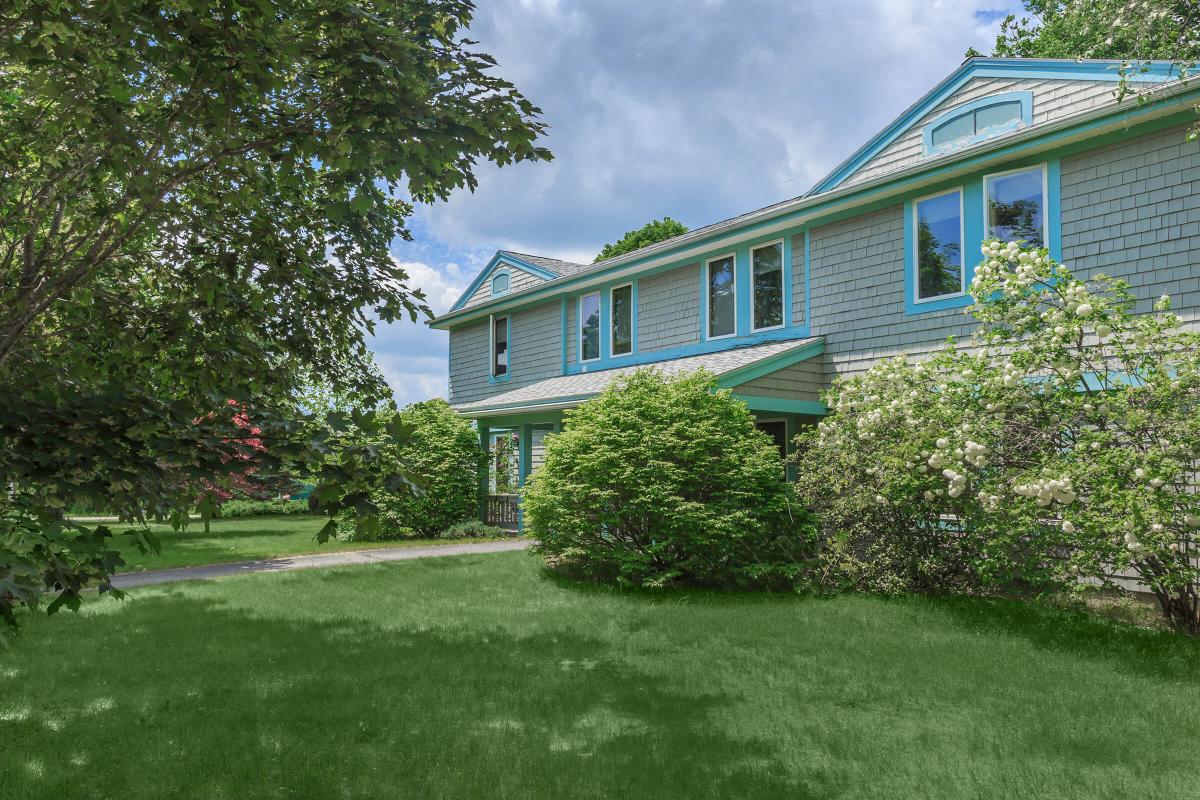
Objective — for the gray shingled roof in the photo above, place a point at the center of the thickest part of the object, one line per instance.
(557, 266)
(567, 388)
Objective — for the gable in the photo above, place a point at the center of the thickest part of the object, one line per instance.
(1050, 89)
(518, 274)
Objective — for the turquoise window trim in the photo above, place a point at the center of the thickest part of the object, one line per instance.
(601, 294)
(738, 295)
(501, 272)
(974, 226)
(1025, 99)
(744, 286)
(633, 300)
(493, 378)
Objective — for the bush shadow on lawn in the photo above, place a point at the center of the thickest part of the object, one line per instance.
(235, 703)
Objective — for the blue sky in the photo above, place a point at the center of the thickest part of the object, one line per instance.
(696, 109)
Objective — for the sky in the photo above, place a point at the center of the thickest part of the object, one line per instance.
(695, 109)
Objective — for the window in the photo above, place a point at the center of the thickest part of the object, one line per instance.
(722, 297)
(589, 327)
(499, 346)
(1016, 206)
(500, 284)
(982, 119)
(938, 242)
(621, 301)
(767, 265)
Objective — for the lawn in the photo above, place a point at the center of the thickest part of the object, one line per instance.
(239, 539)
(482, 677)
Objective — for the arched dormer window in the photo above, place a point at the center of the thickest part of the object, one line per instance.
(979, 120)
(500, 283)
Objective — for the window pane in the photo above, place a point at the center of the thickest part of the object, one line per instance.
(500, 284)
(500, 339)
(768, 285)
(953, 130)
(997, 116)
(939, 246)
(589, 327)
(622, 320)
(721, 300)
(1015, 204)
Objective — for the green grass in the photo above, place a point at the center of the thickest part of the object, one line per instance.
(239, 539)
(482, 677)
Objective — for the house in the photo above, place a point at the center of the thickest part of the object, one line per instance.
(779, 301)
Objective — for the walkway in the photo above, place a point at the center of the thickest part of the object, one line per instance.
(129, 580)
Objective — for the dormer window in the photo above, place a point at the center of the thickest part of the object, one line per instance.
(500, 284)
(974, 122)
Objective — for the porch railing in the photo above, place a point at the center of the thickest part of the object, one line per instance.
(502, 510)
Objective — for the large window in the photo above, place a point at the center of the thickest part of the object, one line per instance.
(589, 327)
(938, 241)
(621, 301)
(767, 264)
(982, 119)
(1016, 206)
(499, 346)
(722, 297)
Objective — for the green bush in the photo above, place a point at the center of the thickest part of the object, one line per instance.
(261, 508)
(659, 482)
(474, 529)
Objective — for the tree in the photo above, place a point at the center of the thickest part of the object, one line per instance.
(652, 232)
(1064, 446)
(196, 205)
(666, 481)
(1134, 31)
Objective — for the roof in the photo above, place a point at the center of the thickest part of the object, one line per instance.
(569, 390)
(555, 265)
(1088, 123)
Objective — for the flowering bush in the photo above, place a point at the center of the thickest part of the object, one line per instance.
(666, 481)
(1064, 445)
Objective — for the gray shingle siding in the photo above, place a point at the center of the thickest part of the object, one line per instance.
(801, 381)
(520, 281)
(669, 309)
(858, 294)
(1052, 99)
(535, 353)
(798, 310)
(1132, 210)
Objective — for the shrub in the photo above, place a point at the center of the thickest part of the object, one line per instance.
(474, 529)
(443, 451)
(259, 508)
(661, 481)
(1064, 447)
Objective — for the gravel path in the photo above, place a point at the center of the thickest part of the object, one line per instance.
(129, 580)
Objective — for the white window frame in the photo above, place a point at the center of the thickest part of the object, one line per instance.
(962, 247)
(1044, 167)
(579, 328)
(708, 297)
(492, 345)
(612, 319)
(783, 300)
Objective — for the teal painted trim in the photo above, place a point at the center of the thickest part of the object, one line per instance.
(1054, 208)
(525, 454)
(500, 259)
(564, 334)
(507, 376)
(773, 364)
(980, 68)
(782, 405)
(702, 348)
(532, 407)
(971, 208)
(1024, 98)
(485, 472)
(827, 211)
(553, 418)
(496, 274)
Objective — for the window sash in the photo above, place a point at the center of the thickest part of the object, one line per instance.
(500, 331)
(621, 327)
(721, 298)
(1016, 222)
(767, 295)
(937, 280)
(589, 327)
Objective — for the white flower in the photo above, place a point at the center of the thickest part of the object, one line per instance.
(881, 500)
(1068, 526)
(1192, 520)
(1157, 483)
(1084, 310)
(1156, 528)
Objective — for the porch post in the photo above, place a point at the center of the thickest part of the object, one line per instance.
(485, 473)
(524, 466)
